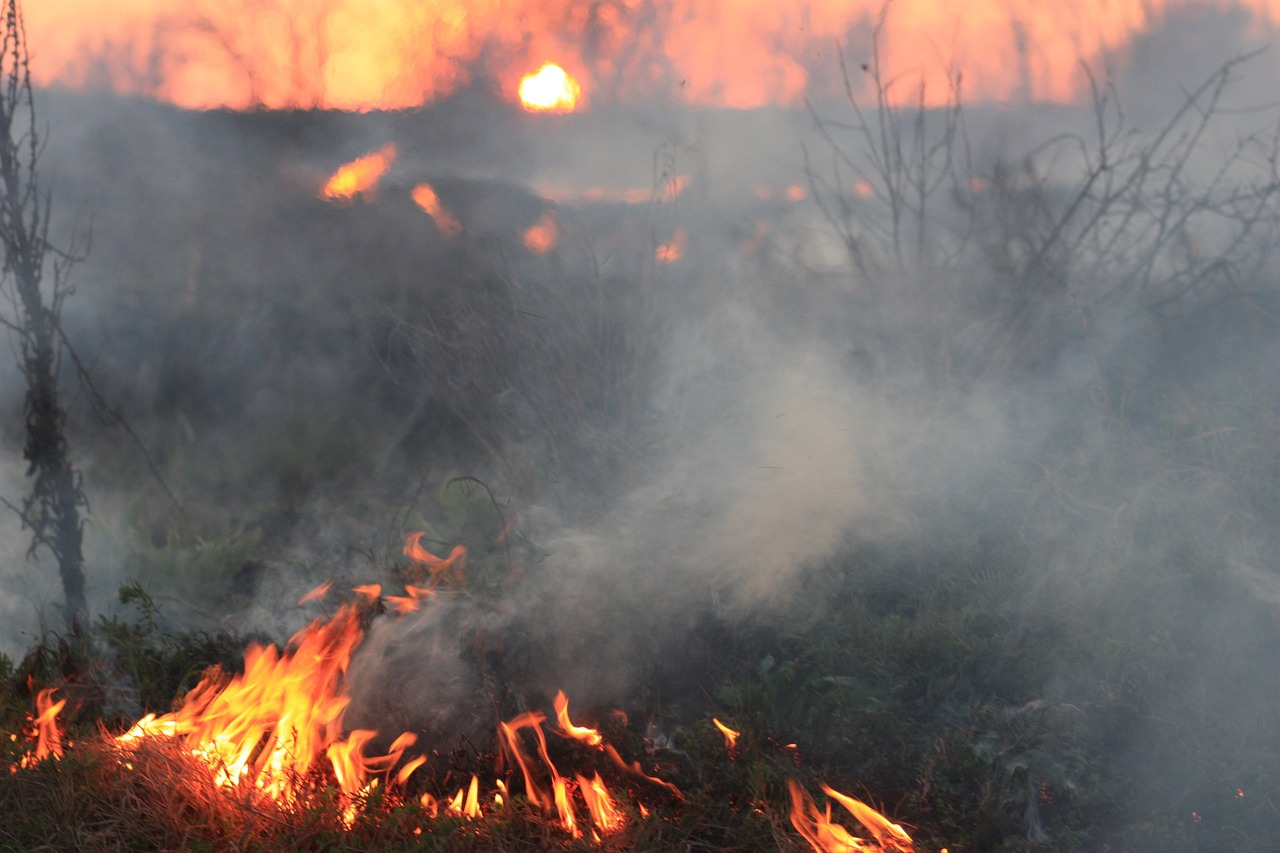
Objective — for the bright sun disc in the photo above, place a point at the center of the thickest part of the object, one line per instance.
(550, 88)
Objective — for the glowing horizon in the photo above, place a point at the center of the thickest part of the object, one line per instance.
(724, 53)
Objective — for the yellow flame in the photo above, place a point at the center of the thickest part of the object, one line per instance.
(359, 177)
(549, 89)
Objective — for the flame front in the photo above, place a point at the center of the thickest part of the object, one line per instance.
(549, 89)
(725, 53)
(270, 725)
(826, 836)
(359, 177)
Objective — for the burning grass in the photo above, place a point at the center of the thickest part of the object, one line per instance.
(262, 759)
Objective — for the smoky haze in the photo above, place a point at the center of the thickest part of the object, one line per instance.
(1056, 410)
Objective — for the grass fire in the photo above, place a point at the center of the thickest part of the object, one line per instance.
(639, 427)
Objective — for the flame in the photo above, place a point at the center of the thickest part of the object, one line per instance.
(590, 737)
(827, 837)
(435, 569)
(604, 813)
(359, 177)
(316, 594)
(730, 736)
(270, 725)
(45, 728)
(554, 796)
(549, 89)
(543, 235)
(665, 191)
(672, 250)
(424, 195)
(725, 53)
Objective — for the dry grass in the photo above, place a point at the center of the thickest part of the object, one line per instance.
(164, 800)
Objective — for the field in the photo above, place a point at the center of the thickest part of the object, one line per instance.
(933, 450)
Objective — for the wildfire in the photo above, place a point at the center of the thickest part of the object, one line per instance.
(543, 235)
(267, 730)
(549, 89)
(48, 736)
(424, 195)
(672, 250)
(826, 836)
(726, 53)
(730, 736)
(359, 177)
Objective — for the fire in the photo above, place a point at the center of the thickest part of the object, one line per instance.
(424, 195)
(45, 728)
(266, 730)
(549, 89)
(543, 235)
(672, 250)
(359, 177)
(724, 53)
(435, 570)
(270, 725)
(590, 737)
(664, 192)
(730, 736)
(827, 837)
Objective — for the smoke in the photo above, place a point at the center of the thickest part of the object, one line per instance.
(1067, 450)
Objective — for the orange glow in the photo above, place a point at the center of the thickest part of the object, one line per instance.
(424, 195)
(347, 54)
(665, 191)
(795, 192)
(543, 235)
(549, 89)
(672, 250)
(359, 177)
(730, 736)
(824, 836)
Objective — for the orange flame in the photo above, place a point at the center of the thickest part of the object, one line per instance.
(549, 89)
(590, 737)
(827, 837)
(359, 177)
(672, 250)
(730, 736)
(435, 569)
(424, 195)
(48, 736)
(316, 594)
(270, 725)
(604, 813)
(543, 235)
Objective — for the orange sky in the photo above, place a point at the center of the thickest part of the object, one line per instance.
(737, 53)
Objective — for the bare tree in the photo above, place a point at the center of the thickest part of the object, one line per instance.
(54, 508)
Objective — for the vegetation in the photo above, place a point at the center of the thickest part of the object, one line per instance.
(54, 509)
(1060, 638)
